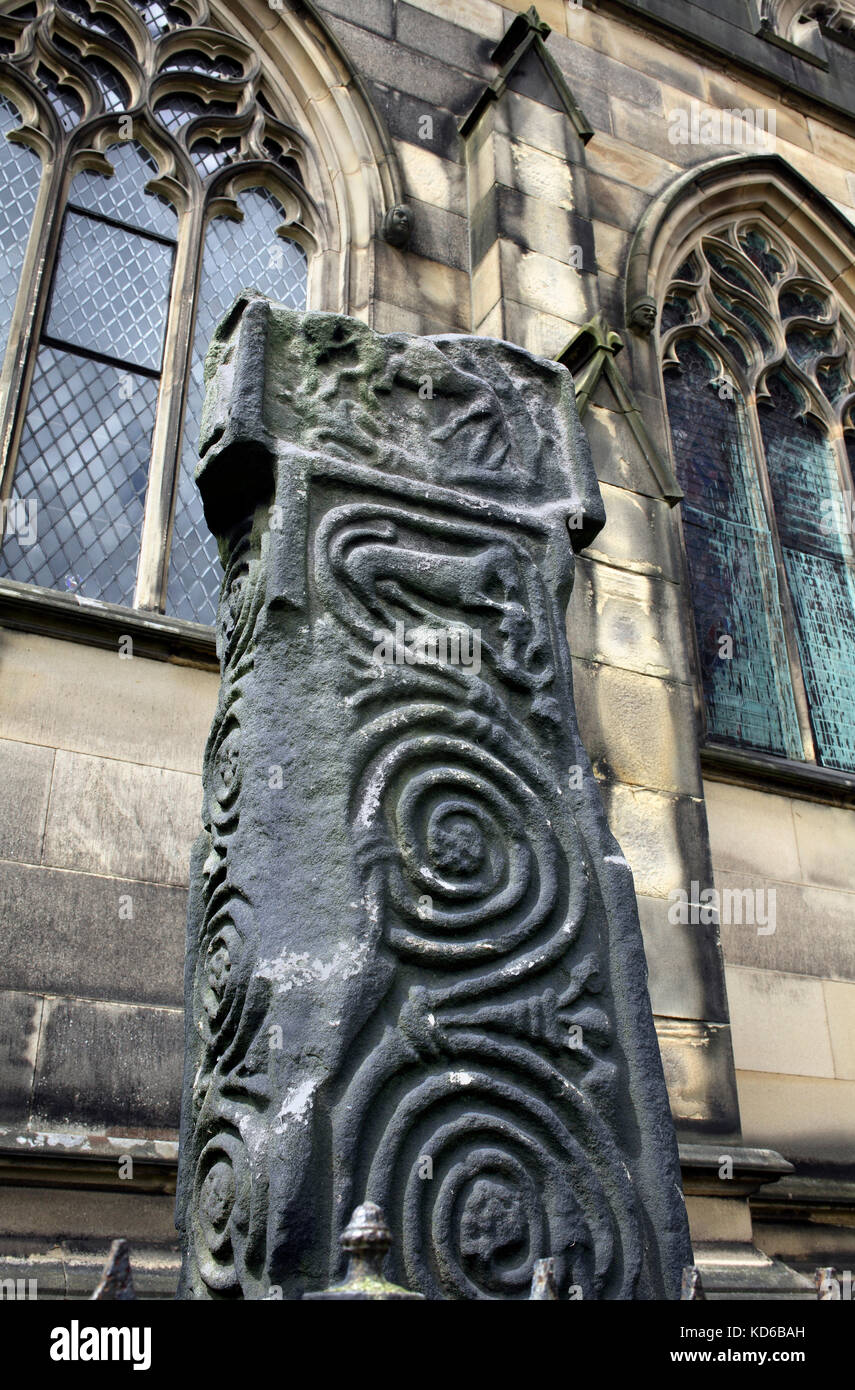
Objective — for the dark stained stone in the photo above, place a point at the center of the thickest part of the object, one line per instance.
(415, 975)
(20, 1015)
(107, 1068)
(105, 938)
(428, 33)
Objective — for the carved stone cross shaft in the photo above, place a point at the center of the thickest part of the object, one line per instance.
(415, 974)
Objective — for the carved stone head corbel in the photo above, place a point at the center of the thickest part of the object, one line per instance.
(642, 317)
(398, 226)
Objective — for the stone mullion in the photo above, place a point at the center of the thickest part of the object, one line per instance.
(156, 536)
(29, 312)
(800, 696)
(837, 440)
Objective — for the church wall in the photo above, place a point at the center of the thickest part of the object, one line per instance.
(101, 756)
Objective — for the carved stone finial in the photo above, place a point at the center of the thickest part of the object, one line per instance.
(642, 316)
(366, 1240)
(116, 1280)
(398, 225)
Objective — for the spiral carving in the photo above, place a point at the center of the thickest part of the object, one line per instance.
(484, 1176)
(475, 871)
(225, 1226)
(220, 978)
(470, 864)
(231, 1083)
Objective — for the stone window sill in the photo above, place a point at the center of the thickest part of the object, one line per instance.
(795, 49)
(765, 772)
(27, 608)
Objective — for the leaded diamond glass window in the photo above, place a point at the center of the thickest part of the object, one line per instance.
(237, 254)
(84, 456)
(86, 441)
(760, 388)
(20, 175)
(123, 196)
(111, 290)
(102, 424)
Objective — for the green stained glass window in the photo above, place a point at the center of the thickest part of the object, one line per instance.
(809, 506)
(740, 631)
(764, 454)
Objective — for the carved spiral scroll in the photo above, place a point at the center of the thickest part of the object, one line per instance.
(483, 1177)
(471, 865)
(221, 1207)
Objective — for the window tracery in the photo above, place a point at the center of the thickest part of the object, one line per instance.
(137, 141)
(800, 22)
(759, 368)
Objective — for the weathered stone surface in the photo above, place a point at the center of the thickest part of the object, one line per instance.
(807, 1119)
(26, 770)
(686, 975)
(752, 832)
(415, 974)
(455, 46)
(112, 817)
(840, 1012)
(86, 934)
(825, 836)
(107, 1068)
(631, 728)
(61, 1238)
(20, 1017)
(151, 712)
(779, 1022)
(627, 620)
(813, 928)
(698, 1063)
(434, 177)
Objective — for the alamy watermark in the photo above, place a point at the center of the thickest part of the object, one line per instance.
(838, 514)
(18, 1289)
(19, 518)
(704, 907)
(834, 1286)
(76, 1343)
(456, 645)
(755, 127)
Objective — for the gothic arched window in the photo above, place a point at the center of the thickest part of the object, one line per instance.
(801, 22)
(145, 179)
(835, 16)
(759, 369)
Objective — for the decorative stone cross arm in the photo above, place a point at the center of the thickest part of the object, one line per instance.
(415, 975)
